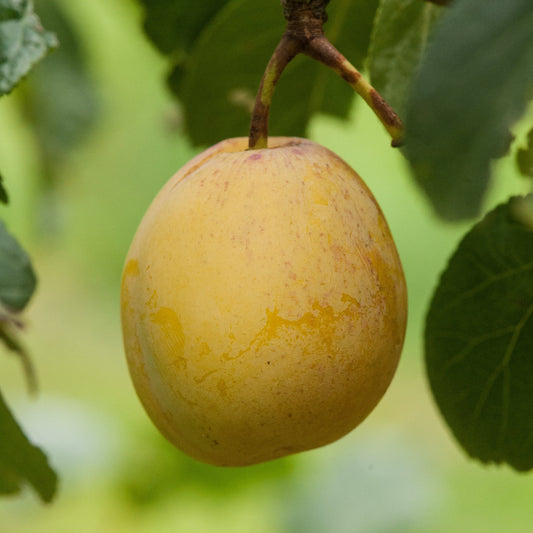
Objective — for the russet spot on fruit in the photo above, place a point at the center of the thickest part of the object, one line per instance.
(263, 302)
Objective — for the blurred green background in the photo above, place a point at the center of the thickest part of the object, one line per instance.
(400, 471)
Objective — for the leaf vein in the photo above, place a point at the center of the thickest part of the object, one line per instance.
(484, 284)
(474, 343)
(502, 368)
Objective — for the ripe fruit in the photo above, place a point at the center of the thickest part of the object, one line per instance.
(263, 302)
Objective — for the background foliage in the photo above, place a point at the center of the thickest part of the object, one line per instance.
(67, 188)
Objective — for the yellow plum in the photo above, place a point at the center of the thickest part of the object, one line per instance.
(263, 302)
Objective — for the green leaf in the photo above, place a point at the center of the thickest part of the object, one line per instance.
(524, 157)
(218, 83)
(173, 25)
(21, 462)
(4, 198)
(17, 278)
(479, 339)
(473, 86)
(23, 42)
(60, 98)
(399, 38)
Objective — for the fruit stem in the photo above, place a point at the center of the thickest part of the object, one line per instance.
(286, 50)
(304, 34)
